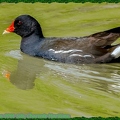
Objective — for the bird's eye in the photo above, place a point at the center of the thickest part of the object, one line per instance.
(19, 23)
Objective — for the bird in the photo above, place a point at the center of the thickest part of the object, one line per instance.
(91, 49)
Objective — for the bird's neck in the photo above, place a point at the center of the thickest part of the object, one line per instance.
(30, 43)
(39, 32)
(32, 38)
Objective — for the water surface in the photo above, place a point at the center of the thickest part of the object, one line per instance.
(32, 85)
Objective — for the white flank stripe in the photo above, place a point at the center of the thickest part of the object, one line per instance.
(65, 51)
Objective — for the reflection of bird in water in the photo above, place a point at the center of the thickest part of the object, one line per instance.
(100, 77)
(25, 74)
(6, 74)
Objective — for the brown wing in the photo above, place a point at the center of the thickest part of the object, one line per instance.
(105, 38)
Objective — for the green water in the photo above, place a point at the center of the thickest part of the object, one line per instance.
(41, 86)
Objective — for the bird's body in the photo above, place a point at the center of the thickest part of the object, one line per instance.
(95, 48)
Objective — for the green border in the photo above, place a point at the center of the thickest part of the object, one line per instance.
(60, 1)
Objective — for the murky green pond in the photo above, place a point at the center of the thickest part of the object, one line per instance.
(32, 85)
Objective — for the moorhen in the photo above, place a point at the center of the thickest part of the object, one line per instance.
(95, 48)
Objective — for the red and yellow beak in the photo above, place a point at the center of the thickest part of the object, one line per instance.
(9, 29)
